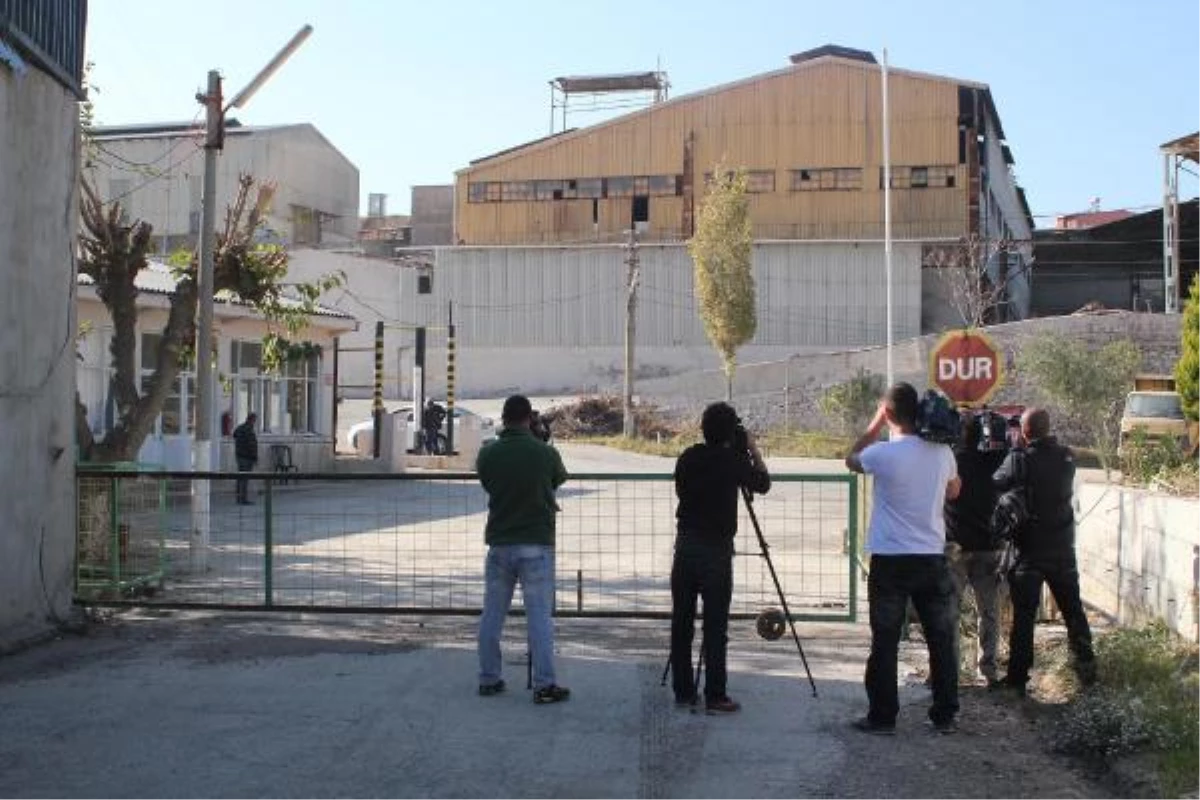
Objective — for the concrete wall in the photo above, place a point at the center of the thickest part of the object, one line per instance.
(307, 170)
(788, 390)
(1139, 556)
(432, 217)
(39, 160)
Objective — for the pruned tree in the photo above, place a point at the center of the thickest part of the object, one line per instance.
(978, 286)
(724, 279)
(1087, 385)
(1187, 370)
(112, 254)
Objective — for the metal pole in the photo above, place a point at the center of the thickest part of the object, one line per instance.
(377, 406)
(203, 460)
(887, 214)
(631, 285)
(450, 381)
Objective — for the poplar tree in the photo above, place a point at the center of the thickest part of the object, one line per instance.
(724, 280)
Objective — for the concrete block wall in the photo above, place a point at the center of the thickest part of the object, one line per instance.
(39, 157)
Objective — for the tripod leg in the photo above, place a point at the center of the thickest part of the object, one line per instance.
(766, 554)
(666, 671)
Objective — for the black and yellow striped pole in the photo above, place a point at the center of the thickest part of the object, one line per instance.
(450, 384)
(377, 407)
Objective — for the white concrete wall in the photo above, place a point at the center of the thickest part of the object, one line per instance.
(1139, 555)
(306, 169)
(39, 158)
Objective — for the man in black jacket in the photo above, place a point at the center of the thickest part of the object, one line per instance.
(974, 558)
(245, 450)
(708, 479)
(1045, 548)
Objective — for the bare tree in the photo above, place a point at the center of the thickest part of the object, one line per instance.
(113, 253)
(975, 271)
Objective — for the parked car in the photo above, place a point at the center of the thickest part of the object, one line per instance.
(485, 425)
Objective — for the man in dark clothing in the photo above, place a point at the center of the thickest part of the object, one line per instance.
(708, 480)
(974, 557)
(431, 422)
(520, 474)
(245, 450)
(1045, 548)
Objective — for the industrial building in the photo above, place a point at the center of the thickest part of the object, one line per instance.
(538, 273)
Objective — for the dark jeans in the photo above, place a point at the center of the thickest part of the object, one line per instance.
(243, 484)
(926, 580)
(705, 570)
(1025, 586)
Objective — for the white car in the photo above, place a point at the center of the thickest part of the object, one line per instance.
(485, 425)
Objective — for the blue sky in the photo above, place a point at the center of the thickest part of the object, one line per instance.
(412, 91)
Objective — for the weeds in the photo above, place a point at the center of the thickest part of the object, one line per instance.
(1145, 700)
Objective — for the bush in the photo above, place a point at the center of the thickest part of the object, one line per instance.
(1158, 463)
(852, 403)
(1145, 700)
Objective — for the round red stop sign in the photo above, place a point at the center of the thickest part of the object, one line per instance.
(967, 366)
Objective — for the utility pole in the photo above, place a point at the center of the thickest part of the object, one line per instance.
(887, 215)
(632, 276)
(204, 459)
(206, 452)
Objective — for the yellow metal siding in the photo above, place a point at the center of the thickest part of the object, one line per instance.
(815, 116)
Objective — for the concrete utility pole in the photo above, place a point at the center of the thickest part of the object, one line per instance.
(887, 214)
(632, 276)
(206, 452)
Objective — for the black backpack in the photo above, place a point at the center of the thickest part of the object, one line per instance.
(1012, 515)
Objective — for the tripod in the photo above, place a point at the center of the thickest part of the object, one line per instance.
(765, 552)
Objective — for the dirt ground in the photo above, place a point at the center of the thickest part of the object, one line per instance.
(187, 704)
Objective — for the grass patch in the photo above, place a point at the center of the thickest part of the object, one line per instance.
(666, 446)
(1145, 701)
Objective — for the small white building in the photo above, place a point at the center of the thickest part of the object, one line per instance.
(295, 408)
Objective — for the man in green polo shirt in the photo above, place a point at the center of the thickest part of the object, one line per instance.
(520, 474)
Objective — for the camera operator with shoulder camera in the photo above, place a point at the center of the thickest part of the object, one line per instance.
(907, 539)
(1044, 472)
(708, 479)
(970, 545)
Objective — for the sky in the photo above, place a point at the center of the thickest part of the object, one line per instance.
(411, 92)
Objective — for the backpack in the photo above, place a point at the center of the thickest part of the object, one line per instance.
(1012, 515)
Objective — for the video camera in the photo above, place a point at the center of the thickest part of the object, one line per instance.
(991, 431)
(539, 427)
(938, 421)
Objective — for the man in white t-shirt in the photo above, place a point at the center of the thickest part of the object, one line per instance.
(907, 539)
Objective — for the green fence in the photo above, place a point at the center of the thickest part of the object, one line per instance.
(121, 526)
(413, 543)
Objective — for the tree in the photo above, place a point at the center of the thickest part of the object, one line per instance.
(1089, 386)
(852, 402)
(1187, 371)
(112, 254)
(975, 271)
(720, 251)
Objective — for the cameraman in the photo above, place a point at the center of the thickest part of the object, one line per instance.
(907, 539)
(1045, 471)
(974, 558)
(708, 479)
(431, 421)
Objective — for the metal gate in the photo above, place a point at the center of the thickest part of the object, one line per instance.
(413, 543)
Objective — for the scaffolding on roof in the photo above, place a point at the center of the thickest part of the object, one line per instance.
(637, 89)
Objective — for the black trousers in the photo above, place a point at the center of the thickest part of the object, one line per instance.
(927, 581)
(1025, 586)
(705, 571)
(243, 484)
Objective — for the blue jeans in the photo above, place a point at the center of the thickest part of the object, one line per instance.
(533, 566)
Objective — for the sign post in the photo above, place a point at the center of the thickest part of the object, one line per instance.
(967, 366)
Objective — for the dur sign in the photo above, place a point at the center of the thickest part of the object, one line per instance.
(967, 366)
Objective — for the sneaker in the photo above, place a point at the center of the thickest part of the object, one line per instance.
(551, 694)
(722, 705)
(868, 725)
(944, 726)
(489, 689)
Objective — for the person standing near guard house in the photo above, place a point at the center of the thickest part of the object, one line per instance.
(245, 450)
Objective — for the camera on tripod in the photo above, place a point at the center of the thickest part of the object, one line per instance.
(539, 427)
(991, 431)
(741, 439)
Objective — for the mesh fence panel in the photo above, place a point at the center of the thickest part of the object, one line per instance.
(414, 543)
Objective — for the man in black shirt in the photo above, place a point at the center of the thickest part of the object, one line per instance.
(245, 450)
(708, 480)
(1045, 548)
(974, 557)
